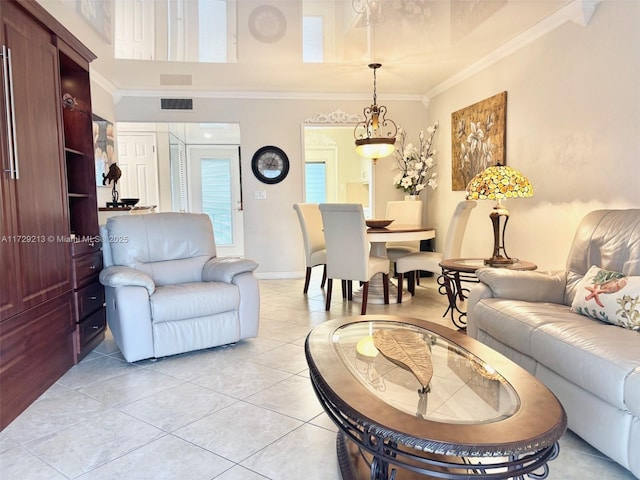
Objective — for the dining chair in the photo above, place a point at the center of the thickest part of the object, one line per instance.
(430, 261)
(403, 213)
(348, 256)
(313, 237)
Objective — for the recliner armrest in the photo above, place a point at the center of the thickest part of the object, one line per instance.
(527, 286)
(119, 276)
(225, 268)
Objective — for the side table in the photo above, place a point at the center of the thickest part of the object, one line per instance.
(458, 270)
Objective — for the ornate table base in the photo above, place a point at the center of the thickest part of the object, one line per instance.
(358, 464)
(376, 292)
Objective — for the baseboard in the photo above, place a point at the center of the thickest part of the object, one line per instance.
(279, 275)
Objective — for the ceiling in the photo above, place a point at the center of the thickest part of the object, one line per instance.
(420, 44)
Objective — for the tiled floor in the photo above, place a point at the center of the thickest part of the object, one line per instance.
(243, 412)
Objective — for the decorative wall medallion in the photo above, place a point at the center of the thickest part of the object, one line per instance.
(315, 139)
(337, 116)
(267, 24)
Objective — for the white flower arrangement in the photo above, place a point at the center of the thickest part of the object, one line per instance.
(415, 162)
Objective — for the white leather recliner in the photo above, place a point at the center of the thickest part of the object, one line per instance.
(166, 290)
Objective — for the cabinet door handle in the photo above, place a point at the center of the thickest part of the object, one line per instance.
(7, 78)
(93, 297)
(92, 267)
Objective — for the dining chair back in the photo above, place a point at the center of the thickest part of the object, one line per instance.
(430, 261)
(348, 256)
(315, 253)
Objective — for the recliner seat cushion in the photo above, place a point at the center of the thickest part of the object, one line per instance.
(190, 300)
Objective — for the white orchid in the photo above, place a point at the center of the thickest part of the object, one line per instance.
(415, 162)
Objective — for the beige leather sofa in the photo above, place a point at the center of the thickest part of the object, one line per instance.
(591, 366)
(166, 290)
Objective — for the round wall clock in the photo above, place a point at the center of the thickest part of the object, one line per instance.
(270, 164)
(267, 24)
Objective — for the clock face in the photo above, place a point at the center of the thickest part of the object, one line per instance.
(270, 164)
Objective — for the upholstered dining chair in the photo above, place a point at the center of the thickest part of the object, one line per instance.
(348, 256)
(430, 261)
(403, 213)
(313, 237)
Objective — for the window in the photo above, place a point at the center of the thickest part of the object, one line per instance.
(312, 39)
(315, 183)
(216, 195)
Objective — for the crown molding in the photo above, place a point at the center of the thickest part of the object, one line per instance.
(254, 95)
(578, 11)
(103, 82)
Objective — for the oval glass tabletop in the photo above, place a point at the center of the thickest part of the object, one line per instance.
(461, 389)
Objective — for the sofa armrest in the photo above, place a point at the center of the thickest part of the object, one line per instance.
(119, 276)
(527, 286)
(223, 269)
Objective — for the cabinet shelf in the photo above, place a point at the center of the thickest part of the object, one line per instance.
(74, 152)
(77, 195)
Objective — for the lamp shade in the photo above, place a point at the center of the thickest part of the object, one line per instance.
(498, 182)
(375, 147)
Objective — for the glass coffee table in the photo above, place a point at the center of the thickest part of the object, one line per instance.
(474, 414)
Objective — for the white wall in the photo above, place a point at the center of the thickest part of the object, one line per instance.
(573, 128)
(272, 235)
(573, 121)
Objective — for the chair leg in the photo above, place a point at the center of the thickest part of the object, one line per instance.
(344, 289)
(365, 297)
(412, 283)
(329, 285)
(385, 288)
(350, 290)
(324, 276)
(307, 278)
(400, 286)
(417, 277)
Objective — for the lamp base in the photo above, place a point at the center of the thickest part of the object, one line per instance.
(499, 261)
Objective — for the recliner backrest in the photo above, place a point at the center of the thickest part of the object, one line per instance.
(169, 247)
(609, 239)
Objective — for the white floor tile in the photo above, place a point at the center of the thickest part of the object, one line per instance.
(242, 412)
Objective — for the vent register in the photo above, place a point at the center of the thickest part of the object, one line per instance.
(176, 103)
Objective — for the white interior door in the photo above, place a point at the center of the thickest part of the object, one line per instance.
(213, 174)
(138, 162)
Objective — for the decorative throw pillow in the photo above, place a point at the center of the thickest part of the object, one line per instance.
(609, 296)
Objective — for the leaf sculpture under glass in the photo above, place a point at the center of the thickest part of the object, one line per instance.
(407, 350)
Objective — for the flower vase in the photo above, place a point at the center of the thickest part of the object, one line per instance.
(411, 198)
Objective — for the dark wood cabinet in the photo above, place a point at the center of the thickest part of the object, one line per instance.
(48, 195)
(36, 175)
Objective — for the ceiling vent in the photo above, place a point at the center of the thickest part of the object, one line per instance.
(176, 103)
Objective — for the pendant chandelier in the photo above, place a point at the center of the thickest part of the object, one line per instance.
(370, 9)
(375, 135)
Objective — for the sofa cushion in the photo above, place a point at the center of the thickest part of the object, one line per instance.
(609, 296)
(632, 392)
(593, 355)
(191, 300)
(512, 321)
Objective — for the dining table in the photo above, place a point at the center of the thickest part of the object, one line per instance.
(378, 238)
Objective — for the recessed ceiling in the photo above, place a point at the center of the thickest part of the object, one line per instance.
(420, 44)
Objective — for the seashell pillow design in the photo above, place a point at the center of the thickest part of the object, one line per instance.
(611, 297)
